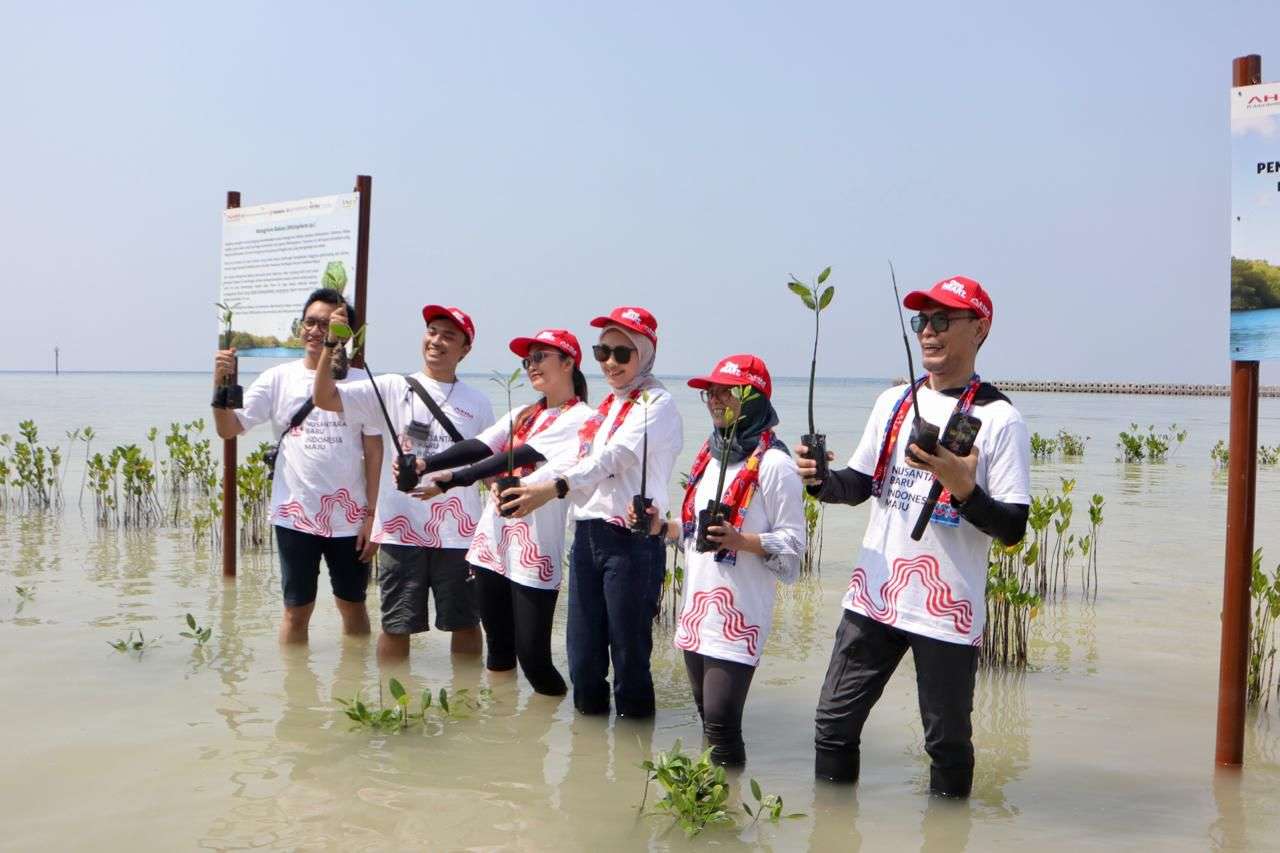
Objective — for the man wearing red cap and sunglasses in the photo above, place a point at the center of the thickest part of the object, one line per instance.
(928, 595)
(423, 543)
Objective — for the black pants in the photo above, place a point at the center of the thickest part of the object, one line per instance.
(720, 692)
(517, 627)
(615, 579)
(866, 653)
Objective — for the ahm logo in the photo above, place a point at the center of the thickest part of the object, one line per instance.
(731, 368)
(632, 315)
(955, 287)
(546, 336)
(1259, 100)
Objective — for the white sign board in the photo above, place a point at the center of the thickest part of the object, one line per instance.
(1255, 222)
(273, 257)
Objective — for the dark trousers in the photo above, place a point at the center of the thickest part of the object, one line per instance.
(517, 627)
(720, 692)
(615, 579)
(866, 653)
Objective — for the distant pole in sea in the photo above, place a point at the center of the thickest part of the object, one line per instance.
(56, 371)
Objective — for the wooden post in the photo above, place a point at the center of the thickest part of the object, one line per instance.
(229, 471)
(56, 369)
(1233, 662)
(364, 186)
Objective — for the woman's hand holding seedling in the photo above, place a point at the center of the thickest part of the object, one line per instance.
(431, 488)
(522, 500)
(808, 468)
(656, 524)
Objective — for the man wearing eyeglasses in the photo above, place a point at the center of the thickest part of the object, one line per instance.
(928, 595)
(325, 477)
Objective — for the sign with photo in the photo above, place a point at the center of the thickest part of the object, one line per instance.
(1255, 222)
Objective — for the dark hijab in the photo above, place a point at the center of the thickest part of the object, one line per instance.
(757, 416)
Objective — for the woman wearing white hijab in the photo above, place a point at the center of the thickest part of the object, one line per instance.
(616, 575)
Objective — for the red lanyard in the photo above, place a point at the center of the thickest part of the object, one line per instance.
(894, 426)
(587, 435)
(740, 491)
(526, 429)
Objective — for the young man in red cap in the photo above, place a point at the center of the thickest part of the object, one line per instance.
(928, 595)
(730, 582)
(423, 543)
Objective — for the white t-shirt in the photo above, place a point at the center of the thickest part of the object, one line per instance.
(530, 550)
(447, 520)
(937, 586)
(603, 483)
(728, 607)
(319, 483)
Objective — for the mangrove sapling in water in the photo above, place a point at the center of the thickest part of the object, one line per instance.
(510, 481)
(696, 793)
(1089, 549)
(1070, 443)
(253, 486)
(26, 594)
(814, 442)
(1011, 604)
(1135, 446)
(814, 512)
(716, 512)
(228, 394)
(87, 434)
(134, 642)
(1041, 447)
(197, 634)
(640, 503)
(768, 806)
(399, 717)
(1264, 589)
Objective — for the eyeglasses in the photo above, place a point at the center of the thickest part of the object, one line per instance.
(312, 323)
(720, 392)
(537, 356)
(941, 321)
(621, 354)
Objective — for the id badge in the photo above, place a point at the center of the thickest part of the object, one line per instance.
(946, 515)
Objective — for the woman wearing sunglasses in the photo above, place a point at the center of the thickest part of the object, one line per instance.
(729, 591)
(616, 576)
(518, 560)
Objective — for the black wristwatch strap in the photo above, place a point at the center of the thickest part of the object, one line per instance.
(328, 344)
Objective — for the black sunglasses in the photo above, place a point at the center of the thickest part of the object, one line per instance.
(621, 354)
(941, 321)
(537, 356)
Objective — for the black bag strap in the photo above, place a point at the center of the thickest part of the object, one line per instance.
(434, 408)
(298, 417)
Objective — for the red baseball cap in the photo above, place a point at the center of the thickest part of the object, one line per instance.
(955, 292)
(558, 338)
(457, 315)
(635, 319)
(741, 369)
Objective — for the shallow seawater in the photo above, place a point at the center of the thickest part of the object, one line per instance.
(1107, 743)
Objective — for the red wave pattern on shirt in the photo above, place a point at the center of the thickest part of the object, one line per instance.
(530, 557)
(481, 553)
(735, 622)
(443, 509)
(940, 601)
(402, 528)
(321, 525)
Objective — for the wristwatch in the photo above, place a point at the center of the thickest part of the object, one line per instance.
(330, 344)
(562, 488)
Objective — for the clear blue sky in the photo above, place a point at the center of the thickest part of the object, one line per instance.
(538, 163)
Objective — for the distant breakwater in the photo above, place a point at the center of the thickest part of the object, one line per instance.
(1127, 388)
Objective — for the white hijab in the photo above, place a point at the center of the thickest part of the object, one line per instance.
(646, 352)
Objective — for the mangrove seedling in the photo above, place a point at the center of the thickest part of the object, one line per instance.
(507, 383)
(406, 463)
(716, 512)
(25, 594)
(814, 442)
(134, 642)
(640, 503)
(696, 793)
(335, 276)
(768, 806)
(228, 394)
(198, 634)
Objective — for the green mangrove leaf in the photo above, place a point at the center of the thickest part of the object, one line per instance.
(822, 276)
(755, 786)
(397, 690)
(799, 289)
(335, 276)
(191, 621)
(826, 298)
(341, 331)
